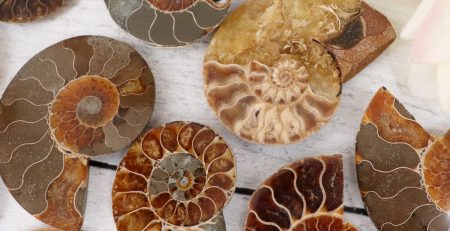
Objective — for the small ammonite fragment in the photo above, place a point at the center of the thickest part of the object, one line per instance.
(168, 23)
(403, 171)
(361, 41)
(273, 71)
(306, 195)
(82, 97)
(21, 11)
(176, 177)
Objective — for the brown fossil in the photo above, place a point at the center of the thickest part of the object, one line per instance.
(82, 97)
(175, 177)
(306, 195)
(168, 23)
(362, 40)
(21, 11)
(403, 171)
(273, 71)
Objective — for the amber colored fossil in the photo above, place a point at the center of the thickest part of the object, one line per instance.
(21, 11)
(82, 97)
(436, 172)
(305, 195)
(175, 177)
(403, 171)
(274, 69)
(168, 23)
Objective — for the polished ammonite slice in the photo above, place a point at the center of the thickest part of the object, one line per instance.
(168, 23)
(273, 71)
(21, 11)
(82, 97)
(304, 196)
(176, 177)
(403, 171)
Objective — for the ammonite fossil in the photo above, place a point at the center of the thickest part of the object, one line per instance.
(168, 23)
(304, 196)
(21, 11)
(82, 97)
(274, 69)
(175, 177)
(403, 171)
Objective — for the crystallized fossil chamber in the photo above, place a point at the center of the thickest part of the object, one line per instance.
(82, 97)
(304, 196)
(273, 71)
(21, 11)
(168, 23)
(403, 171)
(175, 177)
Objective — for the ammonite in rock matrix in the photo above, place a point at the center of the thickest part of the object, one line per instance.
(21, 11)
(403, 171)
(273, 71)
(175, 177)
(82, 97)
(304, 196)
(168, 23)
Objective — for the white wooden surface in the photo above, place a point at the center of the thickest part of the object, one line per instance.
(178, 74)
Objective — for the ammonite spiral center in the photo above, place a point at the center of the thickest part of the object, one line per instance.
(172, 5)
(283, 83)
(185, 176)
(289, 72)
(284, 79)
(96, 101)
(88, 102)
(184, 182)
(89, 105)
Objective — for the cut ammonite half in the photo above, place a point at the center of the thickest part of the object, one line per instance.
(403, 171)
(80, 98)
(273, 71)
(176, 177)
(304, 196)
(21, 11)
(168, 23)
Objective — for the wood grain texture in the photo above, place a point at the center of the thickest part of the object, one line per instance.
(178, 75)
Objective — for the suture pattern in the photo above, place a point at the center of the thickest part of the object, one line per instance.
(80, 98)
(274, 69)
(306, 195)
(168, 23)
(176, 177)
(403, 171)
(21, 11)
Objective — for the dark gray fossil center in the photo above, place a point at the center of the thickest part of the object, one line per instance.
(181, 174)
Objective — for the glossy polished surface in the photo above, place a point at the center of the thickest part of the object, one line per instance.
(403, 171)
(179, 177)
(21, 11)
(168, 23)
(180, 96)
(82, 97)
(306, 195)
(273, 72)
